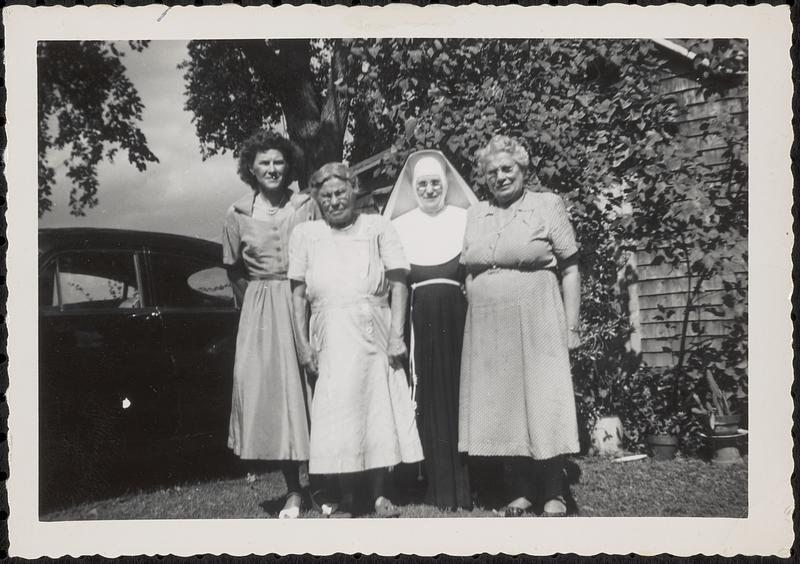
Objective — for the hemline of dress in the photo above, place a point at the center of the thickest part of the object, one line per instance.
(492, 449)
(248, 455)
(317, 467)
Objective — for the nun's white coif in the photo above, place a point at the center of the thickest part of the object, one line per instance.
(436, 237)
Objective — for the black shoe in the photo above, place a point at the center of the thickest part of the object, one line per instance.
(511, 511)
(515, 510)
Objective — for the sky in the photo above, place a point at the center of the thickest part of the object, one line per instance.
(180, 194)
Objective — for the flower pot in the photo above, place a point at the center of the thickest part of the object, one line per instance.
(606, 436)
(726, 424)
(725, 449)
(663, 447)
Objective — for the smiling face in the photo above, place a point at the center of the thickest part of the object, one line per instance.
(269, 169)
(504, 177)
(429, 182)
(430, 192)
(336, 198)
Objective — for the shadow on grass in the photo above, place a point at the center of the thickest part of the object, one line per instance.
(131, 477)
(273, 505)
(486, 477)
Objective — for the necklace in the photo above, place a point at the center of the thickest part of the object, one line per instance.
(501, 222)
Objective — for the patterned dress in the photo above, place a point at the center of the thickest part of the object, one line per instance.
(362, 414)
(269, 407)
(516, 396)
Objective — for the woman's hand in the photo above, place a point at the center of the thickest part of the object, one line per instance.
(397, 352)
(573, 339)
(306, 355)
(308, 360)
(571, 290)
(396, 349)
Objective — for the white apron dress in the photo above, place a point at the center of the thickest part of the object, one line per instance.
(362, 414)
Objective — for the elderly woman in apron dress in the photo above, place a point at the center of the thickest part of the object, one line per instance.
(428, 208)
(351, 269)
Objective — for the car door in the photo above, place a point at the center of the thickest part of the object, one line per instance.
(200, 319)
(104, 378)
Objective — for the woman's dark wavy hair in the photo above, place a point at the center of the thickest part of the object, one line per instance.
(264, 140)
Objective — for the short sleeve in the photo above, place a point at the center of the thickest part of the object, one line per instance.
(562, 236)
(231, 239)
(390, 247)
(298, 253)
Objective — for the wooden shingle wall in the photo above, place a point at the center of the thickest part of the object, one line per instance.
(662, 284)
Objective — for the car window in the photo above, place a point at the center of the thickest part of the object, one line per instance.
(48, 296)
(182, 281)
(90, 280)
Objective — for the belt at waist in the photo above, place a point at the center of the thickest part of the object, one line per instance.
(477, 270)
(268, 277)
(435, 281)
(345, 302)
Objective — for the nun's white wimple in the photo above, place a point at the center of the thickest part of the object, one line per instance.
(429, 239)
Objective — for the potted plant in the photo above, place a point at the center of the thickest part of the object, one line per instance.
(722, 420)
(601, 368)
(663, 437)
(661, 408)
(600, 404)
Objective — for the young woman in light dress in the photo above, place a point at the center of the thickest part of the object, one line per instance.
(269, 407)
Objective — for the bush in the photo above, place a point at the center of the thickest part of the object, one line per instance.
(600, 132)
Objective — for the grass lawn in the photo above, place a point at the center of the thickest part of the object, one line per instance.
(684, 487)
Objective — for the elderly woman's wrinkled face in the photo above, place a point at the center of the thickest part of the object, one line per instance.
(269, 169)
(337, 200)
(504, 177)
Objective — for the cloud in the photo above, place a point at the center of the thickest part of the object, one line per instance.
(180, 194)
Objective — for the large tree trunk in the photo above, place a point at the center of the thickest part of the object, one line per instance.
(317, 125)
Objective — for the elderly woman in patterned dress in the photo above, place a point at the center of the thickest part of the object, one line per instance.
(352, 271)
(269, 408)
(523, 289)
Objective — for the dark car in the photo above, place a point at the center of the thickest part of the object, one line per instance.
(136, 343)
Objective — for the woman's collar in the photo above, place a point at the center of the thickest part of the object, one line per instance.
(523, 203)
(244, 205)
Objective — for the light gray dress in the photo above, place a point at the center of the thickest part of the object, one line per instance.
(516, 395)
(269, 407)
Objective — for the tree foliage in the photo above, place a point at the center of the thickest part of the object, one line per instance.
(603, 132)
(234, 87)
(600, 128)
(86, 104)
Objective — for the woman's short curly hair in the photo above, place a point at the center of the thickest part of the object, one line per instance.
(264, 140)
(332, 170)
(503, 144)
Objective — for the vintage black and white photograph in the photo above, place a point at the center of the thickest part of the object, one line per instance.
(371, 278)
